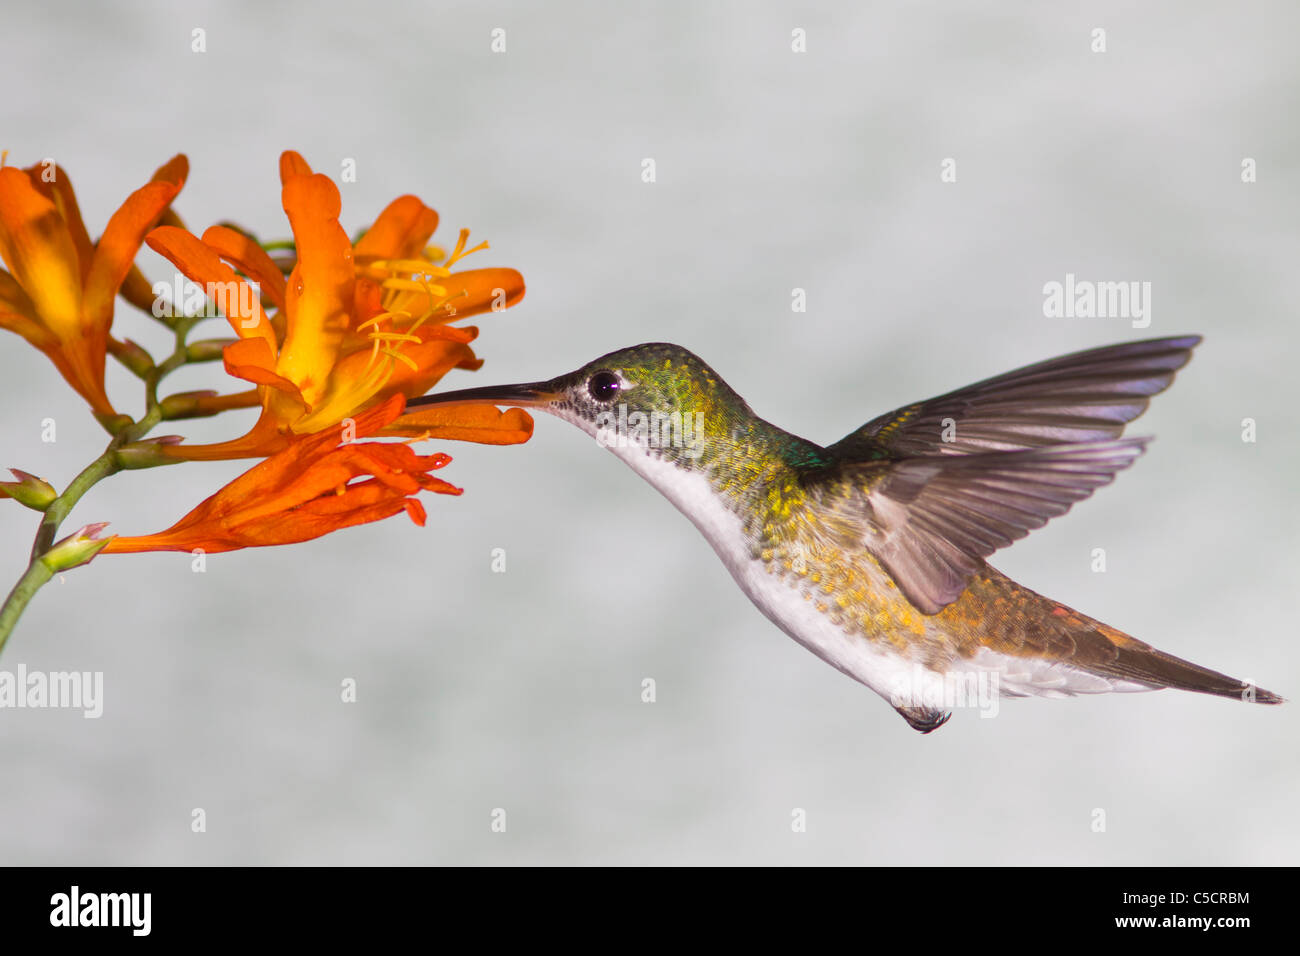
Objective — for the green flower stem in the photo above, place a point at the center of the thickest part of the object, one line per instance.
(38, 572)
(36, 575)
(91, 475)
(107, 464)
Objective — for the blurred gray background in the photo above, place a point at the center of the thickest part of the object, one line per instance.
(775, 170)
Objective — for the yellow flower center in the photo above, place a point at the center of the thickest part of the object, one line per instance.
(395, 327)
(401, 278)
(413, 293)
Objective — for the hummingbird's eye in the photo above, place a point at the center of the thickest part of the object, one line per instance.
(603, 386)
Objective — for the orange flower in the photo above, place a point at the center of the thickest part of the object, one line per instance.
(307, 490)
(58, 293)
(353, 326)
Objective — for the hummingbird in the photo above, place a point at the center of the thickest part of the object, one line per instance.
(871, 552)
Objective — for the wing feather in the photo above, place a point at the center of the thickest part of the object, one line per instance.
(932, 521)
(1083, 397)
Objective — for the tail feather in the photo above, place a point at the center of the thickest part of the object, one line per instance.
(1129, 659)
(1044, 648)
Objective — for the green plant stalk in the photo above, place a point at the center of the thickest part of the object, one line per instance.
(91, 475)
(38, 573)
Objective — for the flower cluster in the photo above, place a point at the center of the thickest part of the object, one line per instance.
(329, 337)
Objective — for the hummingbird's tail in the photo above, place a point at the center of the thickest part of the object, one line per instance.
(1043, 648)
(1127, 658)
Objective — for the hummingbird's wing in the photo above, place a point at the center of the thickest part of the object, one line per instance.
(931, 521)
(1082, 397)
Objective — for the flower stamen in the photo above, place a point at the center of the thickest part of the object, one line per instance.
(460, 252)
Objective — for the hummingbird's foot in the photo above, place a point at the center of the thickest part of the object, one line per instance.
(924, 719)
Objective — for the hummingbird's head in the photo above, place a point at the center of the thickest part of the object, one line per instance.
(656, 397)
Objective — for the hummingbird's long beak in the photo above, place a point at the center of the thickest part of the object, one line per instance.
(531, 394)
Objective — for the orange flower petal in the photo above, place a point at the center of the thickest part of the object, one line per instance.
(40, 253)
(136, 289)
(401, 231)
(17, 314)
(60, 192)
(321, 286)
(202, 264)
(482, 290)
(292, 164)
(175, 171)
(253, 361)
(477, 423)
(250, 258)
(35, 333)
(301, 525)
(118, 247)
(263, 439)
(367, 301)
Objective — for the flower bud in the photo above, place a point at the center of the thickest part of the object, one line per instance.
(28, 490)
(148, 452)
(115, 423)
(185, 404)
(207, 350)
(77, 548)
(133, 356)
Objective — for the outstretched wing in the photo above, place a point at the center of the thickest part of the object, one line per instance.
(931, 521)
(1083, 397)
